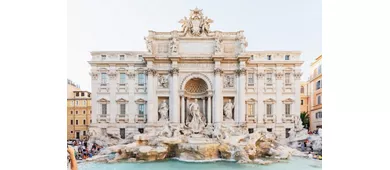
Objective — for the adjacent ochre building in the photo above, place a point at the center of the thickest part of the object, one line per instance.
(78, 112)
(132, 90)
(305, 98)
(315, 94)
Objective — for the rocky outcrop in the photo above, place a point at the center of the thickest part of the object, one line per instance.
(258, 147)
(190, 151)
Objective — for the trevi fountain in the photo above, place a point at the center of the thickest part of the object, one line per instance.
(204, 101)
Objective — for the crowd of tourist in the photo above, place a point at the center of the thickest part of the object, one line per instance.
(81, 150)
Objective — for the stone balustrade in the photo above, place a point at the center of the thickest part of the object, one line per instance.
(122, 117)
(103, 118)
(269, 118)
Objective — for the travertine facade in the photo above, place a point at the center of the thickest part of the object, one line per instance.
(195, 70)
(78, 112)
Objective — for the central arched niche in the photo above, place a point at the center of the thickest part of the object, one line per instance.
(196, 87)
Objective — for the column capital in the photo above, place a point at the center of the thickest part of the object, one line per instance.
(218, 71)
(173, 71)
(150, 71)
(240, 71)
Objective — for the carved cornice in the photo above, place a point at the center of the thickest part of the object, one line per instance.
(173, 71)
(240, 71)
(218, 71)
(279, 75)
(151, 71)
(297, 76)
(94, 75)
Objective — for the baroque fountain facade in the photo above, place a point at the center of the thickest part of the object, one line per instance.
(196, 94)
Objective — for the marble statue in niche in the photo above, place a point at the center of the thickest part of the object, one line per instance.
(196, 120)
(228, 110)
(163, 111)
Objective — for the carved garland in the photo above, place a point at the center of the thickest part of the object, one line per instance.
(173, 71)
(297, 75)
(260, 75)
(131, 75)
(279, 75)
(112, 75)
(94, 75)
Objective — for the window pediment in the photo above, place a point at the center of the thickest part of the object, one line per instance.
(122, 101)
(103, 101)
(251, 101)
(140, 101)
(288, 101)
(270, 101)
(103, 70)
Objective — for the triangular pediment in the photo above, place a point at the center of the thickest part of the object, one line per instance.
(122, 100)
(103, 100)
(269, 100)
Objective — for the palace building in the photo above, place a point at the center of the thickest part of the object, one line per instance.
(141, 91)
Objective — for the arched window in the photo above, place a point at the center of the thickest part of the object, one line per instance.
(71, 112)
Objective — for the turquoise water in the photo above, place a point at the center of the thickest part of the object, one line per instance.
(293, 164)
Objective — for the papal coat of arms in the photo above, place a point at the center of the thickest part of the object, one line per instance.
(196, 24)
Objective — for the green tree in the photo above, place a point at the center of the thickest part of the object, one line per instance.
(305, 119)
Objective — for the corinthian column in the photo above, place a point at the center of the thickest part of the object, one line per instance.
(182, 109)
(241, 73)
(218, 117)
(208, 110)
(174, 97)
(151, 116)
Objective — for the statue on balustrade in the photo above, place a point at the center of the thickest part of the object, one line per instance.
(163, 111)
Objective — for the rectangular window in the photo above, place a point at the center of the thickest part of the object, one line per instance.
(287, 79)
(84, 122)
(319, 100)
(268, 57)
(77, 94)
(301, 102)
(84, 103)
(122, 57)
(122, 78)
(72, 103)
(269, 129)
(318, 84)
(77, 122)
(250, 110)
(319, 69)
(302, 89)
(84, 133)
(141, 109)
(141, 79)
(269, 109)
(82, 94)
(77, 112)
(77, 102)
(71, 122)
(269, 78)
(288, 109)
(104, 109)
(287, 134)
(251, 57)
(90, 121)
(251, 81)
(122, 132)
(104, 57)
(123, 108)
(104, 79)
(287, 57)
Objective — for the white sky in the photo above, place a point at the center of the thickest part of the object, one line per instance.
(121, 25)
